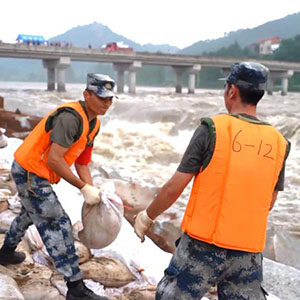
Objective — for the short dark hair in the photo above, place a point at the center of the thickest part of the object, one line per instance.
(249, 96)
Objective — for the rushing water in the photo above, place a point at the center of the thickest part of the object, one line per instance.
(143, 136)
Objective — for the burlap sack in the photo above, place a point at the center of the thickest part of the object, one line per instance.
(102, 222)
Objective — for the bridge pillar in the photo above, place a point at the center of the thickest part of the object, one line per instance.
(192, 71)
(61, 79)
(285, 82)
(284, 76)
(51, 79)
(179, 70)
(63, 64)
(50, 64)
(60, 65)
(284, 86)
(135, 66)
(120, 68)
(131, 68)
(270, 85)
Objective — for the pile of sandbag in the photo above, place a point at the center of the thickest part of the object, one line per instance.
(36, 278)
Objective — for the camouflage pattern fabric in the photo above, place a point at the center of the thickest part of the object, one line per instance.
(101, 84)
(40, 206)
(249, 75)
(196, 266)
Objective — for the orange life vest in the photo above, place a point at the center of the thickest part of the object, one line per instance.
(230, 199)
(33, 153)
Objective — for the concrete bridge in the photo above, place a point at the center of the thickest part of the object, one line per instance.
(58, 59)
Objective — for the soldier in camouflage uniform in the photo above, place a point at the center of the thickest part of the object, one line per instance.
(225, 220)
(196, 266)
(63, 137)
(40, 206)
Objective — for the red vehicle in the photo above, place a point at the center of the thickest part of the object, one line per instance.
(113, 46)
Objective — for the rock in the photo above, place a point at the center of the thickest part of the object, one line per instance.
(108, 271)
(287, 248)
(281, 280)
(269, 251)
(9, 289)
(283, 246)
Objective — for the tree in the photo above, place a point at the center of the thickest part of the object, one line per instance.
(289, 50)
(233, 50)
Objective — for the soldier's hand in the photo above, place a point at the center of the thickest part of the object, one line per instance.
(91, 194)
(142, 224)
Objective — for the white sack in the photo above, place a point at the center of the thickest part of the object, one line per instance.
(9, 289)
(102, 222)
(3, 138)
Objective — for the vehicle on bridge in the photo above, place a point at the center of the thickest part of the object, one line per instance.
(117, 46)
(31, 39)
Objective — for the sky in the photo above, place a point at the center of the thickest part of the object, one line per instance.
(178, 23)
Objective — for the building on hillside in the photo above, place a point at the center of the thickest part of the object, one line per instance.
(265, 46)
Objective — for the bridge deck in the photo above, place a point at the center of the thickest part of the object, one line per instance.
(99, 55)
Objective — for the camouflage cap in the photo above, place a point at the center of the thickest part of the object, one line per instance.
(101, 85)
(248, 75)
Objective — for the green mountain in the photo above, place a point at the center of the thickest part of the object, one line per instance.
(284, 28)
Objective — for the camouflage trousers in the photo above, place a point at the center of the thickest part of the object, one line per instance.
(196, 266)
(40, 206)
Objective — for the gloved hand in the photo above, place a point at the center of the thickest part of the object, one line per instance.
(141, 224)
(91, 194)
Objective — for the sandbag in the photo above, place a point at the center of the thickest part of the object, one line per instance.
(3, 138)
(101, 222)
(9, 288)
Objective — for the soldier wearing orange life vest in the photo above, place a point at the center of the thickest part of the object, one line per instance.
(63, 137)
(237, 163)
